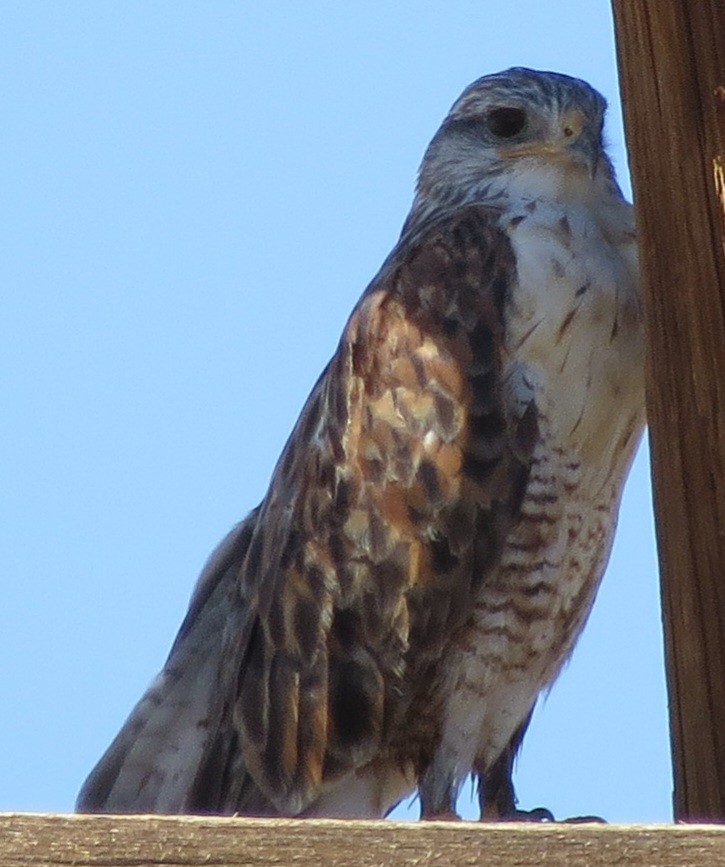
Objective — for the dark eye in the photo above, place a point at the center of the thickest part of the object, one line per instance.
(506, 122)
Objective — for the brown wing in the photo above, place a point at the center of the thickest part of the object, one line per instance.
(389, 502)
(317, 628)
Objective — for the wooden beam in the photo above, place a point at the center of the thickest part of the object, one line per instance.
(143, 841)
(672, 71)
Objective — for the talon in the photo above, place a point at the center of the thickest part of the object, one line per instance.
(584, 820)
(539, 814)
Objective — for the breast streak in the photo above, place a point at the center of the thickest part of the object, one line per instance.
(575, 346)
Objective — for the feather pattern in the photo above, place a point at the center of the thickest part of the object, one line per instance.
(438, 522)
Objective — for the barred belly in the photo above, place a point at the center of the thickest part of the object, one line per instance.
(527, 617)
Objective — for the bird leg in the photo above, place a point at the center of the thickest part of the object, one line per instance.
(438, 790)
(497, 797)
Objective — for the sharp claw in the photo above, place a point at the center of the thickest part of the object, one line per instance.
(539, 814)
(583, 820)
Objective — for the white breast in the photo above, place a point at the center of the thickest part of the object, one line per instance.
(575, 347)
(574, 317)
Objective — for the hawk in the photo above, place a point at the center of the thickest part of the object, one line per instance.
(437, 525)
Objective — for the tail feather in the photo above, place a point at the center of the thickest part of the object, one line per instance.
(153, 763)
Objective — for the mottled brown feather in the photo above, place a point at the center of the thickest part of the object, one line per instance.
(388, 505)
(436, 527)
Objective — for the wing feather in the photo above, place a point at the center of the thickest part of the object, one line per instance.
(310, 651)
(153, 760)
(388, 505)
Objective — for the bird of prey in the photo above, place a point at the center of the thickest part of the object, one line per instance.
(437, 525)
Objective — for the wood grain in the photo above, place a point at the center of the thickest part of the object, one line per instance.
(672, 70)
(162, 841)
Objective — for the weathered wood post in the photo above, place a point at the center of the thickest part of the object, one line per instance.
(195, 841)
(672, 71)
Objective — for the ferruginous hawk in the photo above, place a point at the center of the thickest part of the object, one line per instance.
(437, 526)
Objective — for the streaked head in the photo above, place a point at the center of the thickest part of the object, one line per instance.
(520, 118)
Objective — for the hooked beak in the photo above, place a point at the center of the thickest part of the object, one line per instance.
(570, 141)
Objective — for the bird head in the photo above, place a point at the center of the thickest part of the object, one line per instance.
(511, 131)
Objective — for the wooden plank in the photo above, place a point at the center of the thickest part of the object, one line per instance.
(672, 71)
(137, 841)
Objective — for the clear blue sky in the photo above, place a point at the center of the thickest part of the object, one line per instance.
(193, 197)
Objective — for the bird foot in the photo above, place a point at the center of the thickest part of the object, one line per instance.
(583, 820)
(538, 814)
(541, 814)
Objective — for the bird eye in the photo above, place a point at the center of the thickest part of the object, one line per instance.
(506, 122)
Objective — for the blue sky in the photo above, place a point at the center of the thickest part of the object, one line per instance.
(194, 195)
